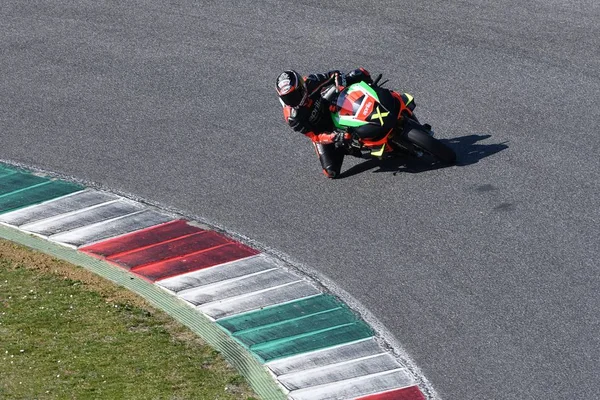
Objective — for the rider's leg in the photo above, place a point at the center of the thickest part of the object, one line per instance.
(331, 159)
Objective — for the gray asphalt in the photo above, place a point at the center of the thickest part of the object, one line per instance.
(487, 272)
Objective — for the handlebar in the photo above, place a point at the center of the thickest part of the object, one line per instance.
(335, 78)
(376, 81)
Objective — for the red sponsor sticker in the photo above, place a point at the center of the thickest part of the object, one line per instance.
(366, 108)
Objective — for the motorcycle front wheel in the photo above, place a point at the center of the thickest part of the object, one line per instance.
(431, 145)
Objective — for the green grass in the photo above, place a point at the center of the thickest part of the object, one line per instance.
(65, 333)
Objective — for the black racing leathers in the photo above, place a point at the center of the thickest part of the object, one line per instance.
(313, 119)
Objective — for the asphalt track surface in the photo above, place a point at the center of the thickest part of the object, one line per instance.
(487, 273)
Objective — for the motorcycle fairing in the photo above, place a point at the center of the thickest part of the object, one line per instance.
(378, 153)
(359, 105)
(366, 112)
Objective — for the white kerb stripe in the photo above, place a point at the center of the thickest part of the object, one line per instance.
(81, 218)
(338, 372)
(217, 273)
(356, 387)
(238, 286)
(254, 301)
(46, 208)
(323, 357)
(38, 225)
(111, 228)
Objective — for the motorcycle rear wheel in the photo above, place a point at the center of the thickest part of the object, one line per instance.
(431, 145)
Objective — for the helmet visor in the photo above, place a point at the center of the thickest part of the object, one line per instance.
(295, 97)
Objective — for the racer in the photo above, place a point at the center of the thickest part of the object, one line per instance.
(308, 113)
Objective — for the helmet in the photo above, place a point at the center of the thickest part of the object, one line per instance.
(291, 88)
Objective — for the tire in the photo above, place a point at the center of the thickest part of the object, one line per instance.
(432, 146)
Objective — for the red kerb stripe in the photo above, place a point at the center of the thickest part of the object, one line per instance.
(173, 249)
(142, 238)
(218, 255)
(407, 393)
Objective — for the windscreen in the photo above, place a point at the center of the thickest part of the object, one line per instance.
(349, 102)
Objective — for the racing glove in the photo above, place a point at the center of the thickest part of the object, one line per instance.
(340, 139)
(358, 75)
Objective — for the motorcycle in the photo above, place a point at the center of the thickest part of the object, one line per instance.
(380, 122)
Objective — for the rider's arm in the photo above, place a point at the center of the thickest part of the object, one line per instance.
(322, 138)
(355, 76)
(297, 119)
(297, 124)
(314, 80)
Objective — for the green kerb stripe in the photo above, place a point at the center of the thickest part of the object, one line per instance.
(280, 313)
(19, 181)
(6, 168)
(5, 172)
(37, 194)
(283, 324)
(16, 192)
(312, 341)
(19, 188)
(298, 326)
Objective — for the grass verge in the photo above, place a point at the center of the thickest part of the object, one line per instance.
(67, 333)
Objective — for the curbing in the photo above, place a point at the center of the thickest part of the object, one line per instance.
(277, 318)
(258, 377)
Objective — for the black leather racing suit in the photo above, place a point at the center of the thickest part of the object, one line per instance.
(313, 119)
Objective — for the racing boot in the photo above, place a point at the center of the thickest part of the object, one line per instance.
(331, 158)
